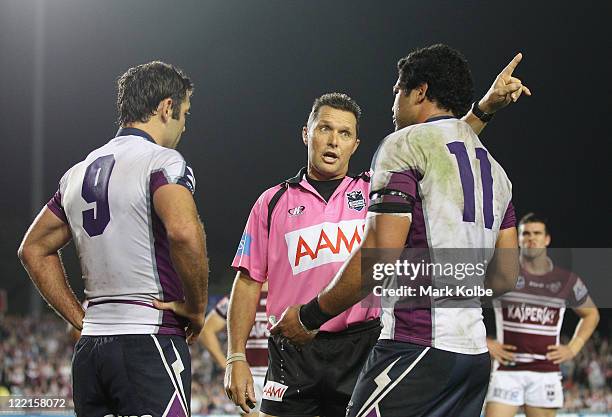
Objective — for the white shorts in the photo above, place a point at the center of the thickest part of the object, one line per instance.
(536, 389)
(258, 386)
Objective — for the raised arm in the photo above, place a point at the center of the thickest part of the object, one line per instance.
(505, 89)
(40, 256)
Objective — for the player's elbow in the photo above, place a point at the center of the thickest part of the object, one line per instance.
(26, 252)
(184, 233)
(502, 273)
(594, 313)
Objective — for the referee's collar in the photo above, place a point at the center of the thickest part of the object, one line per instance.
(303, 171)
(132, 131)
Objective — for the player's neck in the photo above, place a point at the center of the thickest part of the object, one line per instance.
(151, 129)
(539, 265)
(431, 110)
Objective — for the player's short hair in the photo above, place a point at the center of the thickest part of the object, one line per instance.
(339, 101)
(535, 218)
(143, 87)
(446, 72)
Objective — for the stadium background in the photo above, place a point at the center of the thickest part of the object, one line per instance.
(257, 67)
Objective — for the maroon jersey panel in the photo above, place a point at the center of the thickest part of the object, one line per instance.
(530, 317)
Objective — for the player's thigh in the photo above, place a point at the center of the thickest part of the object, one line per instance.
(394, 382)
(87, 392)
(507, 388)
(544, 391)
(539, 412)
(148, 374)
(494, 409)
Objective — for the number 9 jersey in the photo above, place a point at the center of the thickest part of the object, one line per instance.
(458, 197)
(107, 200)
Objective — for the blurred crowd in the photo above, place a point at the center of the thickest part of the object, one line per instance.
(587, 379)
(35, 359)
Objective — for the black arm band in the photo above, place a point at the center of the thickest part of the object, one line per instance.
(311, 315)
(485, 117)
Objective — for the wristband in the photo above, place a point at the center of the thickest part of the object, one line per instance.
(312, 317)
(235, 357)
(484, 117)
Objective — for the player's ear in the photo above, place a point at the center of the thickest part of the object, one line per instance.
(421, 92)
(547, 240)
(164, 109)
(305, 135)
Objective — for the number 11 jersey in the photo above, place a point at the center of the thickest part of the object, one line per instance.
(459, 198)
(107, 200)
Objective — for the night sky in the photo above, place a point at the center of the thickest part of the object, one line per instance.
(257, 67)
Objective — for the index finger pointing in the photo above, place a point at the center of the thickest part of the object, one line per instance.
(506, 72)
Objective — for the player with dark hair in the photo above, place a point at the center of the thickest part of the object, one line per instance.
(429, 361)
(298, 235)
(129, 208)
(527, 351)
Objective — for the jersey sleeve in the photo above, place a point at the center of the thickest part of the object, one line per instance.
(397, 168)
(578, 293)
(222, 306)
(171, 168)
(252, 253)
(55, 203)
(509, 218)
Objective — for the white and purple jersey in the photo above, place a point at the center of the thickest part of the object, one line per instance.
(107, 200)
(459, 197)
(306, 242)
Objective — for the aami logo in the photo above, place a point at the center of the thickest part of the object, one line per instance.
(274, 391)
(322, 244)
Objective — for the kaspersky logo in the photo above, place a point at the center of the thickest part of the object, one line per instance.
(322, 244)
(532, 314)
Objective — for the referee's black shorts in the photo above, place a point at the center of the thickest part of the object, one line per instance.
(317, 379)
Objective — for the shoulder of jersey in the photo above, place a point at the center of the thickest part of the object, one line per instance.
(399, 135)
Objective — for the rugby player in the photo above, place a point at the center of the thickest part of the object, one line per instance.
(297, 237)
(129, 208)
(256, 345)
(428, 361)
(528, 321)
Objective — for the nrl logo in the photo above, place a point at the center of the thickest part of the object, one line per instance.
(296, 211)
(356, 200)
